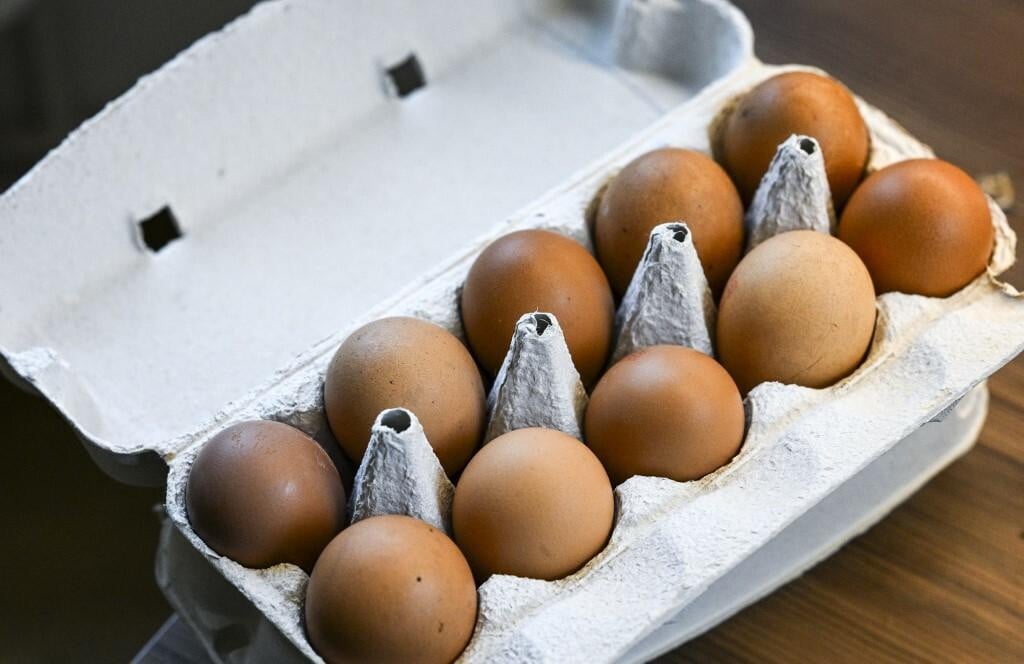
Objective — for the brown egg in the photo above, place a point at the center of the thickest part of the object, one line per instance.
(921, 226)
(406, 363)
(263, 493)
(666, 411)
(537, 270)
(796, 103)
(533, 503)
(666, 185)
(390, 589)
(798, 309)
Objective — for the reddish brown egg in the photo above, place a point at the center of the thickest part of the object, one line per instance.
(666, 411)
(263, 493)
(921, 226)
(533, 503)
(799, 309)
(391, 589)
(796, 103)
(406, 363)
(666, 185)
(537, 270)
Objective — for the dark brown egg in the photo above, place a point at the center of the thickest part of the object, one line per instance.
(533, 503)
(799, 309)
(406, 363)
(667, 185)
(263, 493)
(921, 226)
(537, 270)
(665, 411)
(391, 589)
(796, 103)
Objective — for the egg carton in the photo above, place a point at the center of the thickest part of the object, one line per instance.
(232, 629)
(671, 540)
(140, 349)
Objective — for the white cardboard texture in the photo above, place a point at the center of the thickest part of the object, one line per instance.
(793, 194)
(400, 474)
(845, 513)
(668, 301)
(537, 384)
(672, 540)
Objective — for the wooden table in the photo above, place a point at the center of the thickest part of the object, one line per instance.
(941, 578)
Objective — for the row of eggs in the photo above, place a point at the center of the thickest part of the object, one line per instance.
(798, 308)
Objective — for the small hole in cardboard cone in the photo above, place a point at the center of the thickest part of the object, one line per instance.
(679, 232)
(159, 229)
(396, 419)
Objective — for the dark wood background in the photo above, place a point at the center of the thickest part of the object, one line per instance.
(942, 578)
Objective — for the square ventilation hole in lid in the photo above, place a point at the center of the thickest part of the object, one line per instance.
(406, 76)
(159, 229)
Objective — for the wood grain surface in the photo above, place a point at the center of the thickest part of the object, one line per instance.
(942, 577)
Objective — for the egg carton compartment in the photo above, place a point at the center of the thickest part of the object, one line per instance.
(671, 540)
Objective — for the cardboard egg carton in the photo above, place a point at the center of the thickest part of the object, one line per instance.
(673, 540)
(284, 247)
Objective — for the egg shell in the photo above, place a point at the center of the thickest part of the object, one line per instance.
(666, 411)
(800, 308)
(533, 502)
(391, 589)
(795, 103)
(265, 493)
(921, 226)
(668, 185)
(536, 270)
(404, 362)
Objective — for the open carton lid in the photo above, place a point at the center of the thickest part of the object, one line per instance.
(284, 175)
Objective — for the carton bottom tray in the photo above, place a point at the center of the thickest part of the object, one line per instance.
(233, 630)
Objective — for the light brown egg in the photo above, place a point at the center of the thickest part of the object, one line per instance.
(533, 503)
(666, 411)
(391, 589)
(666, 185)
(537, 270)
(921, 226)
(263, 493)
(799, 309)
(406, 363)
(796, 103)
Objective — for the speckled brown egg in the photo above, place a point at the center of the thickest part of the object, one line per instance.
(921, 226)
(406, 363)
(799, 309)
(533, 502)
(391, 589)
(661, 186)
(666, 411)
(263, 493)
(796, 103)
(536, 270)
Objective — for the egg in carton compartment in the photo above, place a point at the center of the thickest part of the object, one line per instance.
(673, 540)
